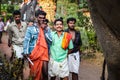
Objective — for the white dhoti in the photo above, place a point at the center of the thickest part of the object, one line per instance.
(18, 50)
(74, 62)
(59, 69)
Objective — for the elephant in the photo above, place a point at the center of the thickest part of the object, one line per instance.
(106, 20)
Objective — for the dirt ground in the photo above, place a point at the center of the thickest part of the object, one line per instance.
(89, 69)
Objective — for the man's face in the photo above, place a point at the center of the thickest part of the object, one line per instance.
(17, 18)
(40, 19)
(58, 26)
(44, 25)
(71, 24)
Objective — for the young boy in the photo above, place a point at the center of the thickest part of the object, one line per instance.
(58, 64)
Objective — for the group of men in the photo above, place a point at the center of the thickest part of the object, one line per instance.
(53, 53)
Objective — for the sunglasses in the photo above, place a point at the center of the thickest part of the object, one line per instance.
(18, 16)
(41, 17)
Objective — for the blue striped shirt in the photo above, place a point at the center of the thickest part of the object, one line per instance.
(31, 37)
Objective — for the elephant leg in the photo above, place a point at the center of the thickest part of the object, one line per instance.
(113, 72)
(103, 70)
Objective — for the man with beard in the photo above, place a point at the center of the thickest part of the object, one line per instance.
(35, 47)
(16, 32)
(74, 56)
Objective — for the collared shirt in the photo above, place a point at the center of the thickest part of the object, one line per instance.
(16, 35)
(30, 39)
(57, 52)
(1, 26)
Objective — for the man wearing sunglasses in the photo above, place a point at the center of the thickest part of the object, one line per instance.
(35, 47)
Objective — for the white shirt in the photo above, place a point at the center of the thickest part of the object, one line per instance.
(1, 26)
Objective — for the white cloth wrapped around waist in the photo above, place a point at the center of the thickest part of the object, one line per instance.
(18, 41)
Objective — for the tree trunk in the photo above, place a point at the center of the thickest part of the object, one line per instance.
(105, 16)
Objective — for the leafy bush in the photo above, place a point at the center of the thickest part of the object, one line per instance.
(10, 70)
(10, 8)
(83, 4)
(66, 11)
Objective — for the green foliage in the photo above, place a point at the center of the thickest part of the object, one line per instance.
(84, 21)
(92, 38)
(11, 70)
(4, 7)
(10, 8)
(89, 40)
(16, 7)
(66, 11)
(83, 4)
(84, 37)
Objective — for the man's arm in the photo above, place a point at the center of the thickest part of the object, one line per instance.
(26, 42)
(48, 35)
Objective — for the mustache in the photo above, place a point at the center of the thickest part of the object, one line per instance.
(17, 21)
(59, 27)
(71, 26)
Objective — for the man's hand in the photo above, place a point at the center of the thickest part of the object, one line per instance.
(26, 56)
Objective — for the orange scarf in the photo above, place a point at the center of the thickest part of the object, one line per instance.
(38, 55)
(66, 39)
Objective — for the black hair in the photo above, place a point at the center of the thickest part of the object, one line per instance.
(46, 20)
(16, 12)
(60, 19)
(40, 12)
(71, 19)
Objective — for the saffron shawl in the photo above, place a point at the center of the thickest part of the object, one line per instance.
(38, 55)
